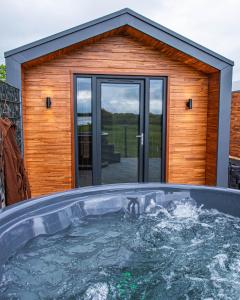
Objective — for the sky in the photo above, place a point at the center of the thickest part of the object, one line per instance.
(214, 24)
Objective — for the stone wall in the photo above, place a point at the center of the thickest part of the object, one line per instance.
(10, 106)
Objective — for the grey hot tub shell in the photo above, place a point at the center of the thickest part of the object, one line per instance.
(50, 214)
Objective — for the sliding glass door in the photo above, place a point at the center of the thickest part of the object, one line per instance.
(120, 130)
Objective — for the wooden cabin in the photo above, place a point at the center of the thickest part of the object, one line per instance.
(235, 126)
(122, 99)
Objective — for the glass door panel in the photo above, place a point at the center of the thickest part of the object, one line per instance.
(120, 132)
(155, 133)
(84, 131)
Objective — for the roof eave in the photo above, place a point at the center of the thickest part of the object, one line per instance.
(125, 17)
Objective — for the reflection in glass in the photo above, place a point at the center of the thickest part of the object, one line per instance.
(155, 129)
(119, 127)
(84, 130)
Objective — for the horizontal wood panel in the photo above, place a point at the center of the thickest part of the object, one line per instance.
(212, 129)
(235, 126)
(48, 135)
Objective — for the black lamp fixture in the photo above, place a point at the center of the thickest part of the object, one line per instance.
(48, 102)
(189, 104)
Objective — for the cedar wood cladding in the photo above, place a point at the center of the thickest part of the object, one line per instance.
(235, 126)
(48, 134)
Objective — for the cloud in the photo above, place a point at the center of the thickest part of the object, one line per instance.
(214, 24)
(120, 98)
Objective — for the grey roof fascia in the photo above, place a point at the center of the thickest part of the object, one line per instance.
(181, 37)
(180, 44)
(65, 32)
(113, 21)
(69, 39)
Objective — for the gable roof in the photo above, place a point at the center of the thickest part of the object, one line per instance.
(112, 21)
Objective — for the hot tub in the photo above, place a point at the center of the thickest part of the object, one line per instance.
(127, 241)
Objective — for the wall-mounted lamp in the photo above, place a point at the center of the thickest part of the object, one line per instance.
(48, 102)
(189, 104)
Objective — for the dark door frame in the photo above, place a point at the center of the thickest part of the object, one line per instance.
(141, 122)
(96, 122)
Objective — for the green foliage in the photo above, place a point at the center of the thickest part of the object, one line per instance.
(2, 72)
(127, 118)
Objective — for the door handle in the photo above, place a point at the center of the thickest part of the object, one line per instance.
(141, 136)
(105, 133)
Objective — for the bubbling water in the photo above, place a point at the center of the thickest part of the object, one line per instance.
(179, 251)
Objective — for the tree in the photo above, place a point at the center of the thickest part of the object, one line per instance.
(2, 72)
